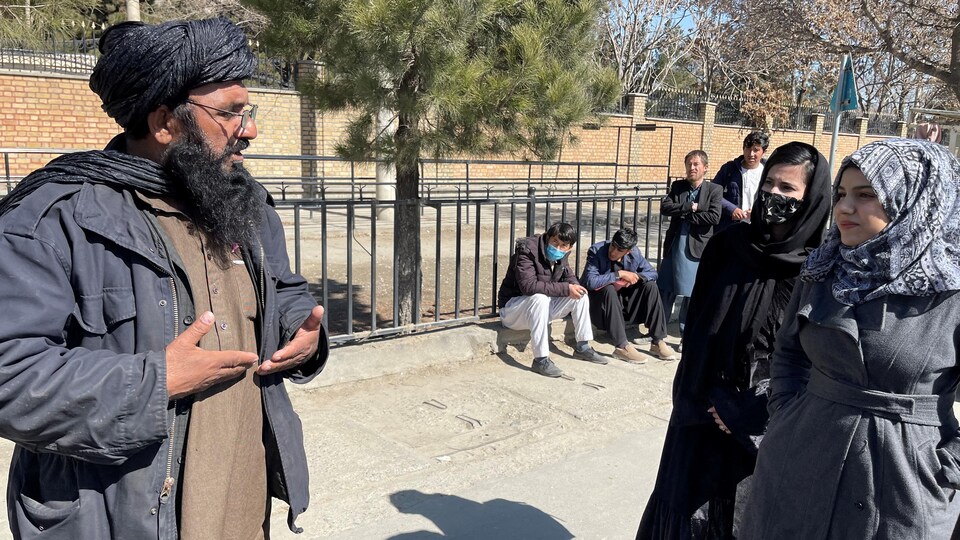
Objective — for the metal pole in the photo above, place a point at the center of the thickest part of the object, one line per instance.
(531, 210)
(836, 114)
(133, 10)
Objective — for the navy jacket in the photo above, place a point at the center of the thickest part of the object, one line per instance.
(598, 271)
(730, 177)
(92, 295)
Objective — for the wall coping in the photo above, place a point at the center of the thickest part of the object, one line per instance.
(75, 77)
(261, 90)
(673, 121)
(44, 74)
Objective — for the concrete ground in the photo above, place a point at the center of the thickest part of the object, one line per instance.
(450, 435)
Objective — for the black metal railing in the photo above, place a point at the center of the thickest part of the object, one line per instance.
(848, 122)
(729, 112)
(674, 104)
(346, 252)
(292, 177)
(885, 124)
(72, 49)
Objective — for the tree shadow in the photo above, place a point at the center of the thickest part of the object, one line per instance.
(464, 519)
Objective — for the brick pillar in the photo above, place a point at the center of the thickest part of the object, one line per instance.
(637, 107)
(818, 137)
(901, 129)
(861, 127)
(708, 116)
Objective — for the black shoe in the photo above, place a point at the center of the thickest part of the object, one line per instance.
(546, 367)
(590, 355)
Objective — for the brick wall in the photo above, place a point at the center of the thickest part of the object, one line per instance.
(61, 112)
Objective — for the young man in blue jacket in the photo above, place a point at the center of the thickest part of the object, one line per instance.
(622, 287)
(740, 179)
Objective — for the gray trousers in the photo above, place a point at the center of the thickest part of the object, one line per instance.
(535, 312)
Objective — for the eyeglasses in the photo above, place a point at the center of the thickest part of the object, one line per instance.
(245, 116)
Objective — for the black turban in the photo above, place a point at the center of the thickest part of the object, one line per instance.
(144, 66)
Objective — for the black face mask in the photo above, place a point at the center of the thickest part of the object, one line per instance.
(778, 208)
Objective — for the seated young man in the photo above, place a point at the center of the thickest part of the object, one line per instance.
(623, 290)
(540, 287)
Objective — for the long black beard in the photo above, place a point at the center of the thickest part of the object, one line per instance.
(224, 203)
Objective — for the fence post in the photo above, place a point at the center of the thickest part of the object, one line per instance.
(531, 210)
(901, 129)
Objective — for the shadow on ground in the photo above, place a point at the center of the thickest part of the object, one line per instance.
(464, 519)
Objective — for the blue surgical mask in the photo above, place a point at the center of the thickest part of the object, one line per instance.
(554, 253)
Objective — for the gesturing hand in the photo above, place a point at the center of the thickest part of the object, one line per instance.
(301, 346)
(191, 369)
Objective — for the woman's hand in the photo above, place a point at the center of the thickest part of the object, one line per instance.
(716, 418)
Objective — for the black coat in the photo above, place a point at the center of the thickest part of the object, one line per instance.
(743, 285)
(701, 222)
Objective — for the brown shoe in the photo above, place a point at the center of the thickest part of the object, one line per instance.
(662, 350)
(629, 354)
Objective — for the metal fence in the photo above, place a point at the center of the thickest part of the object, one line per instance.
(848, 122)
(72, 49)
(346, 253)
(674, 104)
(292, 177)
(883, 124)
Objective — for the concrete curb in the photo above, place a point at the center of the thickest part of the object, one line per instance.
(369, 360)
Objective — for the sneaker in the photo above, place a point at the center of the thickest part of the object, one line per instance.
(545, 367)
(663, 351)
(642, 340)
(590, 355)
(629, 354)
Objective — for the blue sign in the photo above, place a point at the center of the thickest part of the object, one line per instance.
(845, 96)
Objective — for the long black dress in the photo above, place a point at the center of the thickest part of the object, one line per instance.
(743, 285)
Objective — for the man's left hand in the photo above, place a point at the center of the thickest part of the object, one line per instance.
(299, 349)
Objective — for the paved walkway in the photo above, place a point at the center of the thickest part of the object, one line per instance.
(450, 434)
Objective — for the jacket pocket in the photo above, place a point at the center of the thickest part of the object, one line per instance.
(97, 313)
(47, 496)
(931, 474)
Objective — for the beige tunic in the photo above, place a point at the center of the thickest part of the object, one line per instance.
(223, 491)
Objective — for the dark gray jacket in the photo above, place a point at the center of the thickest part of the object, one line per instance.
(862, 441)
(530, 272)
(676, 206)
(92, 295)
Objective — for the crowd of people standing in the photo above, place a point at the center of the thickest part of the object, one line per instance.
(814, 394)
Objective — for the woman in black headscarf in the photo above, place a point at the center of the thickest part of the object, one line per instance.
(746, 276)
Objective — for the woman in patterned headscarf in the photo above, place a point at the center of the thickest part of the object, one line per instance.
(862, 440)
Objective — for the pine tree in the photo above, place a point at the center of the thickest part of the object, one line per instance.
(458, 76)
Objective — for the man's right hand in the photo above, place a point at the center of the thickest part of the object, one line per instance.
(739, 215)
(191, 369)
(576, 291)
(630, 277)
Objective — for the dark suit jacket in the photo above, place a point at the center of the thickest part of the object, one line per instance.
(701, 222)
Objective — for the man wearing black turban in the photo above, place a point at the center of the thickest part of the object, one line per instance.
(150, 316)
